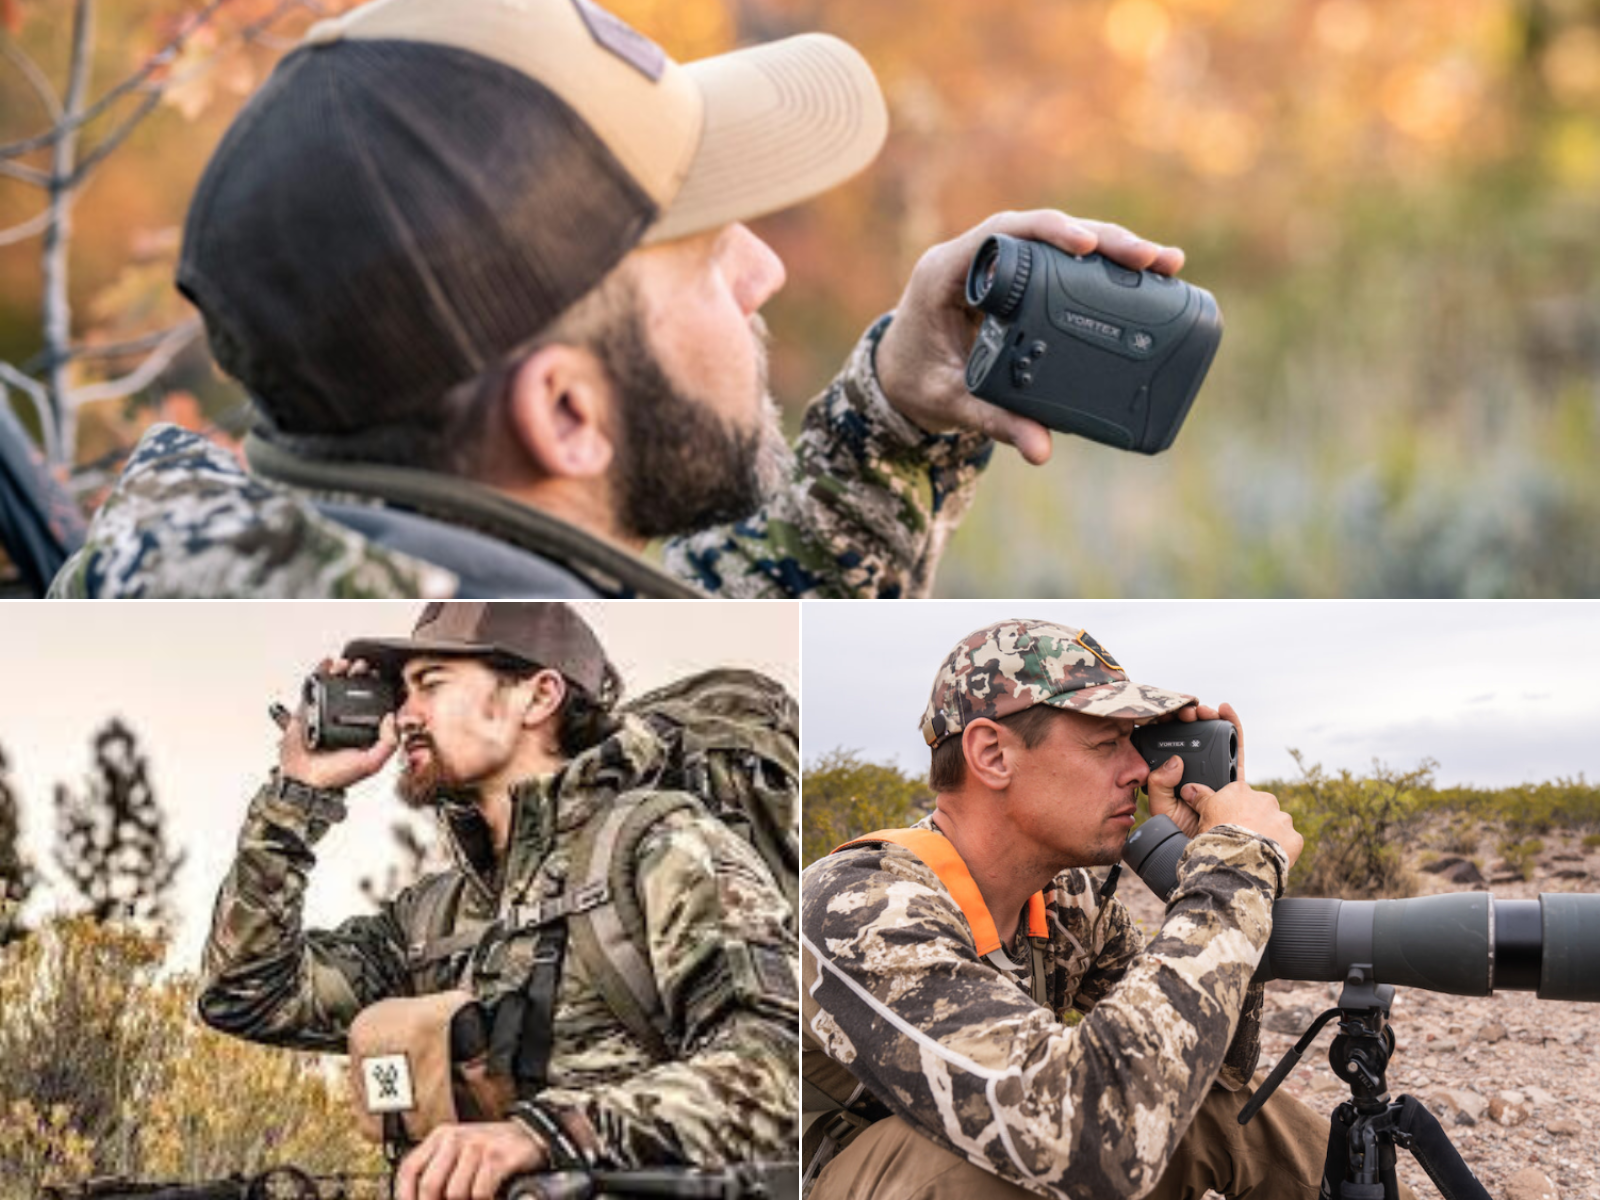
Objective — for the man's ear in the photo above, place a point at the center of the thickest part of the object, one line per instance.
(561, 409)
(547, 689)
(983, 745)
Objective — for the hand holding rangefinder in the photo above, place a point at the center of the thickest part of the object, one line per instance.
(1085, 346)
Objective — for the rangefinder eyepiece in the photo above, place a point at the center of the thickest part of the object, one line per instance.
(345, 712)
(998, 276)
(1086, 346)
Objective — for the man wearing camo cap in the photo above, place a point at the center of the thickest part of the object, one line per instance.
(982, 1016)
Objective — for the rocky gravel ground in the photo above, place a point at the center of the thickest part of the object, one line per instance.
(1514, 1080)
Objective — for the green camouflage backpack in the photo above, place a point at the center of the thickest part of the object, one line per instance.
(734, 747)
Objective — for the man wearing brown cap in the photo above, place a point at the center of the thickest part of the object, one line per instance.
(980, 1018)
(568, 824)
(482, 267)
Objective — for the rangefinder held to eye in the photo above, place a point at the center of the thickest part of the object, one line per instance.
(345, 712)
(1085, 346)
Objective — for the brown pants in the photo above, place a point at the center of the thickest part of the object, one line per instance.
(1278, 1156)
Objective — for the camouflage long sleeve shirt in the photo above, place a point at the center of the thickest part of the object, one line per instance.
(728, 1091)
(866, 512)
(894, 990)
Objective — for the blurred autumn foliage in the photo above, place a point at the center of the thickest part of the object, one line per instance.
(1395, 205)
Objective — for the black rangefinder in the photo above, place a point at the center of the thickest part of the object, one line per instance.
(343, 712)
(1085, 346)
(1209, 749)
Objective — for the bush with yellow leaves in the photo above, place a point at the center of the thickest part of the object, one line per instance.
(108, 1072)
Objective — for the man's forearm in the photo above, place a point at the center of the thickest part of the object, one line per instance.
(871, 503)
(733, 1101)
(262, 976)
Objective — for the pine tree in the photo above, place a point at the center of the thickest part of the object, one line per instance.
(111, 839)
(16, 872)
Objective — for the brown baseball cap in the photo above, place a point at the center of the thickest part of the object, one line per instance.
(1012, 665)
(544, 634)
(423, 185)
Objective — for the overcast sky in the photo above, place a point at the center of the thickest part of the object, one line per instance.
(194, 681)
(1498, 692)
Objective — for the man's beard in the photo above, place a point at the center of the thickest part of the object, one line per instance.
(680, 467)
(425, 786)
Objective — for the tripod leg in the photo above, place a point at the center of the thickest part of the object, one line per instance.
(1437, 1154)
(1334, 1164)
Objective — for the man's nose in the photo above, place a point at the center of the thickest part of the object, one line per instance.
(407, 718)
(1134, 769)
(761, 271)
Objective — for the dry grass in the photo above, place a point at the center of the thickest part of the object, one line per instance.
(109, 1072)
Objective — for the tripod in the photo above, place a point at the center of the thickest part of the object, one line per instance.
(1367, 1127)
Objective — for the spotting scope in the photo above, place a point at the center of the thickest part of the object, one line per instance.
(1463, 943)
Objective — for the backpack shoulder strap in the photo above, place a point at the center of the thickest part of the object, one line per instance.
(610, 939)
(435, 902)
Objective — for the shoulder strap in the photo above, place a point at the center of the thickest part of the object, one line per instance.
(435, 913)
(939, 854)
(610, 939)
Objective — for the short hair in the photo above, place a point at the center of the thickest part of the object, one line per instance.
(459, 435)
(948, 769)
(581, 721)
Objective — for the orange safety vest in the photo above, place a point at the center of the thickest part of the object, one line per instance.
(939, 854)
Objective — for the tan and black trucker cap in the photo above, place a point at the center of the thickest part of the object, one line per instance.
(423, 185)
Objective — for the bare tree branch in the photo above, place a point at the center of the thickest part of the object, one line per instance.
(24, 174)
(152, 98)
(135, 345)
(35, 392)
(57, 322)
(36, 78)
(113, 139)
(75, 121)
(25, 229)
(141, 376)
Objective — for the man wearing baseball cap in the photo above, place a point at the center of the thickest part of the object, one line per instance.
(569, 821)
(482, 267)
(947, 969)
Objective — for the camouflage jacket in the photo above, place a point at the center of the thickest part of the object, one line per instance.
(893, 989)
(871, 502)
(729, 1091)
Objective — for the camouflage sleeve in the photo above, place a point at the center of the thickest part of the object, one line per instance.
(952, 1047)
(868, 509)
(723, 953)
(262, 976)
(1116, 942)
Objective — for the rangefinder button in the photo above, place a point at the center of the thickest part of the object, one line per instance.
(1123, 276)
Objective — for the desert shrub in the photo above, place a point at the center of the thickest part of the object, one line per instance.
(1591, 840)
(1462, 837)
(846, 796)
(108, 1072)
(1353, 828)
(1519, 855)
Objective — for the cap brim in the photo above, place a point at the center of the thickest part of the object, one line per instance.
(783, 122)
(388, 655)
(1122, 701)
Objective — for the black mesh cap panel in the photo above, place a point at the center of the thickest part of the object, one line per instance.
(386, 219)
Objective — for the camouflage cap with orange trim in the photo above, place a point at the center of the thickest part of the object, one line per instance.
(1012, 665)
